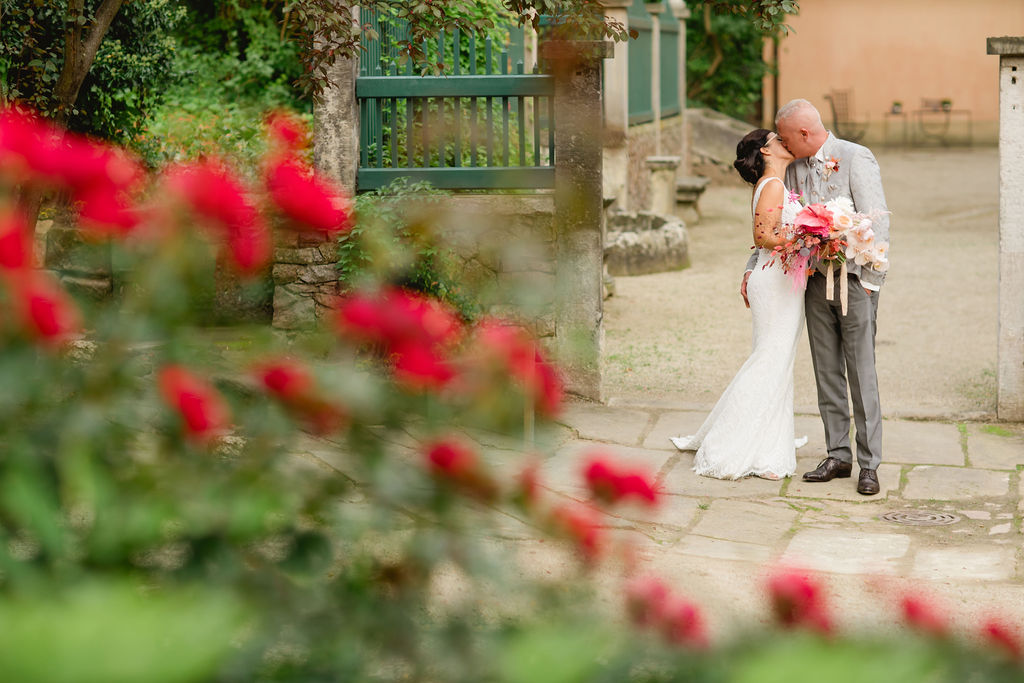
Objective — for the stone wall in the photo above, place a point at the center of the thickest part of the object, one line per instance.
(506, 248)
(640, 145)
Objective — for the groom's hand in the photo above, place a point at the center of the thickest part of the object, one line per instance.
(743, 288)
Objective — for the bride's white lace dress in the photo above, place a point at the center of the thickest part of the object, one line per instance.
(750, 429)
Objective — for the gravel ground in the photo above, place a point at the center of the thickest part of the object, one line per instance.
(677, 338)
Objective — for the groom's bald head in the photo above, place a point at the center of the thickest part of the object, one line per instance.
(799, 125)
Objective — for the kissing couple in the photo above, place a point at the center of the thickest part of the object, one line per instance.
(750, 430)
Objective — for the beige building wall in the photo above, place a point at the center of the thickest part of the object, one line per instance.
(886, 50)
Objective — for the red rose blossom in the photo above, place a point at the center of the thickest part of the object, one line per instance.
(922, 615)
(682, 623)
(47, 312)
(203, 411)
(15, 240)
(213, 191)
(581, 524)
(611, 483)
(285, 378)
(1003, 636)
(307, 198)
(798, 600)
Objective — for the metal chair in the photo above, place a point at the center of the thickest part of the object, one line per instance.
(843, 125)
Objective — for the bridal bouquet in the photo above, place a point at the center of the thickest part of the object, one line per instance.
(831, 233)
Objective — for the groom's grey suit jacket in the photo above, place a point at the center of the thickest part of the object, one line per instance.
(857, 177)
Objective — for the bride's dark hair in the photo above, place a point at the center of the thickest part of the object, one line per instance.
(749, 161)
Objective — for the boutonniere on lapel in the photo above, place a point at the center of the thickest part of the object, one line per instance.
(831, 166)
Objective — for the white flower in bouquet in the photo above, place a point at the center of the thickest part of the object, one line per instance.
(840, 205)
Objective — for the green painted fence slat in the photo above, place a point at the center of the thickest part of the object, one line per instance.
(505, 84)
(461, 178)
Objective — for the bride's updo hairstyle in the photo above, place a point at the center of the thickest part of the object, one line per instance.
(749, 161)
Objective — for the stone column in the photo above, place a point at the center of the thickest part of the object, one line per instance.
(1010, 372)
(655, 9)
(682, 13)
(304, 273)
(616, 112)
(663, 184)
(579, 329)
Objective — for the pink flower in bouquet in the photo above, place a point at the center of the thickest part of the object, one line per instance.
(814, 219)
(202, 409)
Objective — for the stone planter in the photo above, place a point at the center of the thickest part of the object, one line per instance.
(644, 242)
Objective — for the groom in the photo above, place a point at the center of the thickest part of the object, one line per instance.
(842, 346)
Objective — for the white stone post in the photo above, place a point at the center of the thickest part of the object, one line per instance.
(615, 153)
(1010, 372)
(682, 13)
(655, 9)
(663, 184)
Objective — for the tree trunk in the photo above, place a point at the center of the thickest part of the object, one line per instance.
(79, 54)
(78, 58)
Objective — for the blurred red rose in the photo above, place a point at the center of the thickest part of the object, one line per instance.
(203, 410)
(797, 599)
(611, 483)
(15, 240)
(46, 311)
(922, 614)
(1000, 634)
(581, 524)
(307, 198)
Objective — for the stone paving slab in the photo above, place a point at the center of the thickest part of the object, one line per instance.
(994, 452)
(921, 443)
(746, 522)
(841, 489)
(927, 482)
(671, 424)
(973, 563)
(846, 552)
(702, 546)
(596, 422)
(682, 480)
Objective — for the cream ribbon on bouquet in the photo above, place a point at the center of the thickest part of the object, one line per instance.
(844, 285)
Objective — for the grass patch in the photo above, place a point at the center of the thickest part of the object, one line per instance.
(997, 430)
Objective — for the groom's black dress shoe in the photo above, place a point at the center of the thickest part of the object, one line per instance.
(867, 484)
(828, 469)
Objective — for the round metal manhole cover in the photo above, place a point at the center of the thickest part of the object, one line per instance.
(921, 517)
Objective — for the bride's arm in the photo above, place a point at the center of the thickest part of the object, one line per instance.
(768, 229)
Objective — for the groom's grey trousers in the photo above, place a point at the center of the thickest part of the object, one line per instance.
(843, 348)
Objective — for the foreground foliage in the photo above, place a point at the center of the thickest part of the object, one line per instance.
(176, 506)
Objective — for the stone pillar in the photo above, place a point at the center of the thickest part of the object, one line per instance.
(655, 9)
(663, 184)
(304, 273)
(576, 66)
(616, 113)
(1010, 371)
(682, 13)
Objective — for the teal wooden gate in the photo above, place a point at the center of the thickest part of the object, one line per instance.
(477, 126)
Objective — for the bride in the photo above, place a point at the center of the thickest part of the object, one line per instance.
(750, 429)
